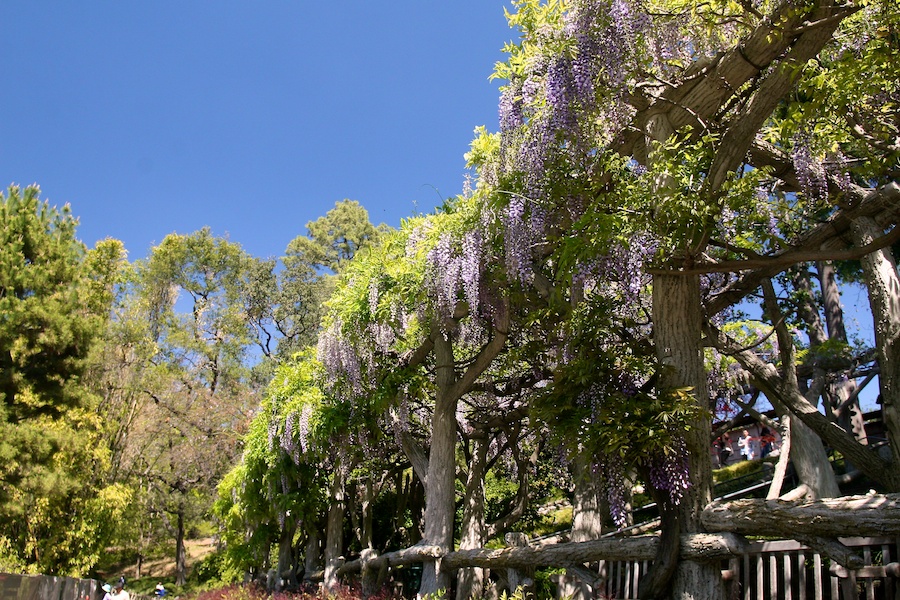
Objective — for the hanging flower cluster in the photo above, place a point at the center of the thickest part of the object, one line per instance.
(669, 471)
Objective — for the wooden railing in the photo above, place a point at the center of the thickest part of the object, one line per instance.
(45, 587)
(786, 570)
(14, 586)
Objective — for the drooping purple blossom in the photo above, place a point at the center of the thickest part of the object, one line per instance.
(533, 153)
(383, 336)
(669, 472)
(303, 428)
(511, 116)
(810, 170)
(339, 357)
(373, 297)
(444, 266)
(416, 237)
(837, 167)
(288, 443)
(517, 241)
(531, 90)
(561, 95)
(272, 431)
(456, 270)
(623, 267)
(610, 471)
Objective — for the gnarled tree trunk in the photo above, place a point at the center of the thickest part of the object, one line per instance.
(470, 580)
(285, 568)
(875, 515)
(311, 552)
(883, 284)
(440, 488)
(677, 326)
(838, 393)
(807, 453)
(334, 528)
(587, 521)
(180, 555)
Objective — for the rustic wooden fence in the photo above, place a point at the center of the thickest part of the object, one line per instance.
(14, 586)
(45, 587)
(786, 570)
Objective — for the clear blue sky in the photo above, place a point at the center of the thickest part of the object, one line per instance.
(250, 117)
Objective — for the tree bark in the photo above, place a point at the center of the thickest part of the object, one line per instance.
(807, 452)
(406, 556)
(848, 516)
(285, 568)
(849, 417)
(883, 283)
(470, 580)
(783, 458)
(334, 528)
(706, 547)
(587, 521)
(440, 487)
(311, 552)
(180, 555)
(366, 513)
(677, 329)
(665, 564)
(811, 462)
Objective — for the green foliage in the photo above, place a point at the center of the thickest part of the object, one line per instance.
(214, 569)
(602, 400)
(833, 354)
(544, 584)
(88, 538)
(47, 330)
(529, 17)
(174, 373)
(848, 102)
(520, 593)
(54, 300)
(280, 480)
(11, 560)
(205, 274)
(335, 237)
(284, 303)
(670, 200)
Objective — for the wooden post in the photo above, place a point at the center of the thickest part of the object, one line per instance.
(519, 578)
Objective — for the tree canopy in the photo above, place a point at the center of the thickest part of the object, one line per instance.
(54, 297)
(656, 165)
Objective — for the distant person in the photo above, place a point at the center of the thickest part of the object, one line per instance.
(766, 440)
(160, 590)
(107, 588)
(725, 449)
(119, 592)
(747, 445)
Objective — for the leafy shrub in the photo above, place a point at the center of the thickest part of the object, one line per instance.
(10, 561)
(210, 568)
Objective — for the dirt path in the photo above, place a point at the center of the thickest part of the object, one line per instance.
(196, 551)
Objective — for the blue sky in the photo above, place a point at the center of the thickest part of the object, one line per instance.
(251, 118)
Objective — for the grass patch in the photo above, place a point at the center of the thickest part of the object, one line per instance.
(739, 469)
